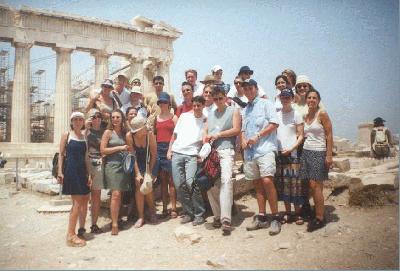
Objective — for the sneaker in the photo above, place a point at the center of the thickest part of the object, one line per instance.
(198, 220)
(217, 223)
(186, 219)
(315, 224)
(275, 227)
(257, 224)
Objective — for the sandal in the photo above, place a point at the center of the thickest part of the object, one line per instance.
(299, 220)
(173, 214)
(95, 229)
(139, 223)
(75, 241)
(81, 232)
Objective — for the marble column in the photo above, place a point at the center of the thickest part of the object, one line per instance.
(20, 107)
(149, 71)
(100, 66)
(63, 99)
(163, 70)
(136, 69)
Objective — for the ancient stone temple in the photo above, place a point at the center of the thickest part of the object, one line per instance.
(145, 43)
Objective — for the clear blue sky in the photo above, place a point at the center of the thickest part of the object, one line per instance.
(349, 49)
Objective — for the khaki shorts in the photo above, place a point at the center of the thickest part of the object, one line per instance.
(263, 166)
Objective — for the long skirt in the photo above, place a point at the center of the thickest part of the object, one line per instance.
(289, 186)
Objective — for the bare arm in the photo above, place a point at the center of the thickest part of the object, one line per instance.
(169, 152)
(61, 155)
(104, 142)
(152, 150)
(326, 123)
(264, 132)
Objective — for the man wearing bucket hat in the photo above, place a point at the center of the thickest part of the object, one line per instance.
(245, 73)
(144, 143)
(136, 101)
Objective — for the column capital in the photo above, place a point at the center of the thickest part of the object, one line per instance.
(21, 44)
(100, 53)
(63, 50)
(136, 59)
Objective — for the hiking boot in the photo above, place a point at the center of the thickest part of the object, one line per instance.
(217, 223)
(275, 227)
(257, 224)
(186, 219)
(198, 220)
(315, 224)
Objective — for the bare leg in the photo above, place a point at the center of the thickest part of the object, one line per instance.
(260, 194)
(172, 192)
(114, 207)
(140, 207)
(317, 188)
(272, 196)
(95, 205)
(73, 216)
(83, 210)
(164, 190)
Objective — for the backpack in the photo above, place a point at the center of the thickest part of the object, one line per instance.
(209, 171)
(380, 136)
(56, 158)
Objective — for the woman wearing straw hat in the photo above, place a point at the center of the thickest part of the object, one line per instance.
(113, 147)
(144, 143)
(75, 179)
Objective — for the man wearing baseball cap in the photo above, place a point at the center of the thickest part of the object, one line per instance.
(245, 73)
(259, 142)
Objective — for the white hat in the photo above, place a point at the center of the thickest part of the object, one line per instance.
(216, 68)
(77, 114)
(136, 89)
(138, 123)
(303, 79)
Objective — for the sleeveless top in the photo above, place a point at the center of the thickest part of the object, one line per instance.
(165, 129)
(94, 139)
(141, 155)
(115, 140)
(221, 121)
(315, 135)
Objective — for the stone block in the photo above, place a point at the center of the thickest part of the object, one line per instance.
(45, 186)
(59, 202)
(342, 164)
(241, 186)
(186, 234)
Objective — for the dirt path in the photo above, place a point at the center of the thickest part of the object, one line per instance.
(354, 239)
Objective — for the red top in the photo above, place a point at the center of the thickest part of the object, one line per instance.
(183, 108)
(164, 130)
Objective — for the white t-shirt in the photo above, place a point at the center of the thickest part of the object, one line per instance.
(208, 109)
(198, 89)
(286, 133)
(278, 104)
(188, 130)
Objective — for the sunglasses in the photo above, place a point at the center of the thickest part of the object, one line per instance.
(218, 99)
(237, 83)
(136, 83)
(97, 117)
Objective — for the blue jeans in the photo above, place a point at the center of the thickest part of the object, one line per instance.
(183, 171)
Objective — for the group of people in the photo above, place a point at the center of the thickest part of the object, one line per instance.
(285, 142)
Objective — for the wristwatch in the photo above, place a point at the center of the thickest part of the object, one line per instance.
(258, 135)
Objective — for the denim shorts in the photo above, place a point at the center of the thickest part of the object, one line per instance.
(162, 163)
